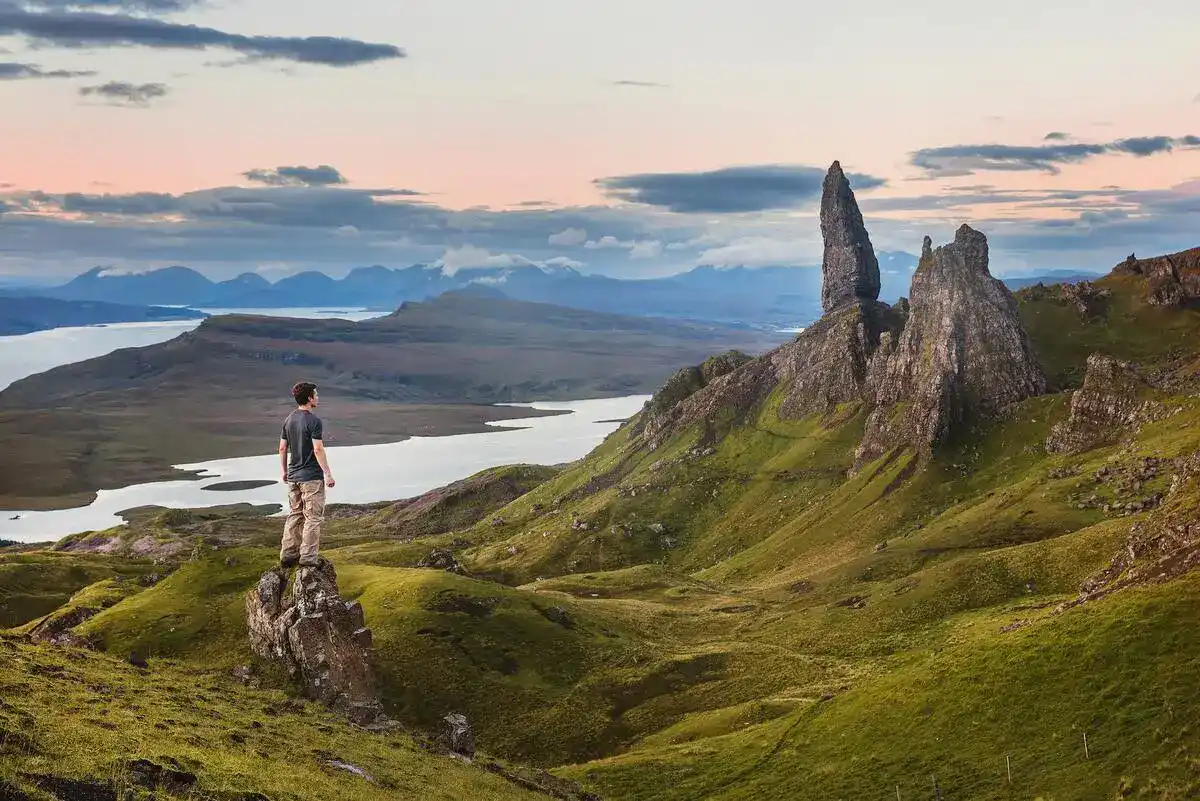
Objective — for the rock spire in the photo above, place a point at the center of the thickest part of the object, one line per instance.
(850, 269)
(963, 353)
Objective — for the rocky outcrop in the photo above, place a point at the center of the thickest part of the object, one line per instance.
(1160, 547)
(851, 270)
(830, 361)
(963, 353)
(1172, 280)
(442, 559)
(1090, 301)
(664, 409)
(321, 639)
(456, 735)
(826, 365)
(1106, 406)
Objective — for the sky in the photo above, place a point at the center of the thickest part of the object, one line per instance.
(633, 139)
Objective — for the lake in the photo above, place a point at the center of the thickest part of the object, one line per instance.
(27, 354)
(365, 473)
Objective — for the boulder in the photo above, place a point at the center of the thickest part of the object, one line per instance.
(456, 736)
(963, 353)
(442, 559)
(320, 638)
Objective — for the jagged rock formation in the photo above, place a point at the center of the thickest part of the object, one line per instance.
(321, 639)
(1089, 300)
(1172, 280)
(665, 408)
(963, 353)
(831, 360)
(826, 365)
(851, 270)
(1105, 406)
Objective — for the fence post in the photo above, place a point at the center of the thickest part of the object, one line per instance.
(1008, 766)
(1086, 753)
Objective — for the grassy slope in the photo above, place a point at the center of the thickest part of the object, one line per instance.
(751, 624)
(35, 583)
(75, 715)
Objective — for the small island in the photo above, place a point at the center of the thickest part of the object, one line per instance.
(238, 486)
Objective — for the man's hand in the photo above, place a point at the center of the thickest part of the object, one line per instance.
(329, 481)
(284, 479)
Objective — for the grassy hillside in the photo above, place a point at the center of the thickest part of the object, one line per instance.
(80, 725)
(745, 617)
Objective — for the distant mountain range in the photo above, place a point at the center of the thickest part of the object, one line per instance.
(763, 296)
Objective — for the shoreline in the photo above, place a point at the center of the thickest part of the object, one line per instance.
(178, 471)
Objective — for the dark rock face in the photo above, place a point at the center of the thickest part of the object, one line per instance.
(1170, 280)
(830, 361)
(1107, 405)
(683, 385)
(963, 353)
(321, 639)
(851, 270)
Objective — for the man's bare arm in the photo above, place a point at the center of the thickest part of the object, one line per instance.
(323, 460)
(283, 454)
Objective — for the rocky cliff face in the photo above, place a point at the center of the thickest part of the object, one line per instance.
(851, 270)
(1109, 404)
(963, 353)
(320, 639)
(1172, 280)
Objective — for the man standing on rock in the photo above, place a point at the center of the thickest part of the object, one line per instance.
(306, 473)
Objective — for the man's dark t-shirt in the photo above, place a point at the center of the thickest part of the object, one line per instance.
(299, 430)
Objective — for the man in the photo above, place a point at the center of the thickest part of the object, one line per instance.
(306, 473)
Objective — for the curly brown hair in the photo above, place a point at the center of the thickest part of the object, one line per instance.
(303, 392)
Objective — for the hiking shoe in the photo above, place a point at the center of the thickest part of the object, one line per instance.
(288, 562)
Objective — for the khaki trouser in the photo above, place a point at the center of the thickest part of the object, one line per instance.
(302, 529)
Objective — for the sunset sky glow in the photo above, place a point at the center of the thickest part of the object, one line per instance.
(627, 138)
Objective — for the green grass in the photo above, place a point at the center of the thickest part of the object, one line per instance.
(72, 714)
(1121, 670)
(763, 621)
(35, 583)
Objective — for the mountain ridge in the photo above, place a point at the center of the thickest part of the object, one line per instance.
(782, 296)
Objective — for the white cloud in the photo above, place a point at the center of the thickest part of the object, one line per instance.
(345, 230)
(651, 249)
(607, 243)
(561, 263)
(702, 241)
(760, 251)
(571, 237)
(276, 269)
(467, 256)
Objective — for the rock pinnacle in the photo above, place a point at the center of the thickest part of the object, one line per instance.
(850, 269)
